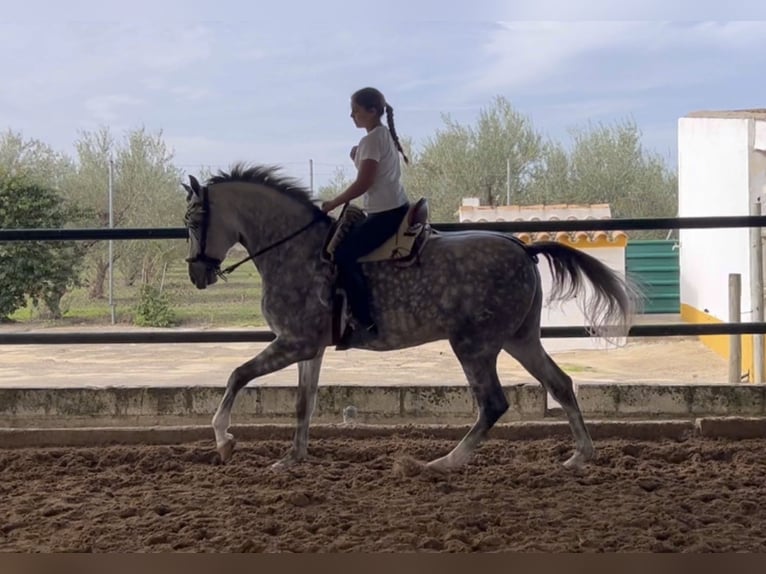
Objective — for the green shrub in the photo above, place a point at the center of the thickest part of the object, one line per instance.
(153, 308)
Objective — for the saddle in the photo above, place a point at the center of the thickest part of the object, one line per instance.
(402, 248)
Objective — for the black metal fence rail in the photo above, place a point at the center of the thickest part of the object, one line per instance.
(263, 336)
(642, 223)
(231, 336)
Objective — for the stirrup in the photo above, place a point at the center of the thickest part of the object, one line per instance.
(344, 343)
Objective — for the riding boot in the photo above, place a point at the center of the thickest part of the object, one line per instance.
(358, 297)
(358, 300)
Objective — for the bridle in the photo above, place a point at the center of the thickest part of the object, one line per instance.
(212, 262)
(202, 237)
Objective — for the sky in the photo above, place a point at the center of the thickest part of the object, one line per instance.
(269, 82)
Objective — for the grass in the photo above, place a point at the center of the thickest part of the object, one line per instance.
(234, 303)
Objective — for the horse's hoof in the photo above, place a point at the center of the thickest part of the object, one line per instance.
(407, 466)
(575, 462)
(440, 465)
(285, 462)
(226, 450)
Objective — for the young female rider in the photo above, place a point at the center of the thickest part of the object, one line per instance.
(385, 201)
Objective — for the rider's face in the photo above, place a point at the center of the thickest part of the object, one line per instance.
(363, 118)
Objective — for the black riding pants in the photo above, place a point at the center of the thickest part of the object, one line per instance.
(367, 236)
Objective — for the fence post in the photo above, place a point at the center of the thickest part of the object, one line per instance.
(735, 341)
(756, 292)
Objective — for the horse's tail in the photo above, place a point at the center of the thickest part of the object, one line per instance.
(614, 300)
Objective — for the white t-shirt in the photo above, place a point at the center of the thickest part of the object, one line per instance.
(386, 191)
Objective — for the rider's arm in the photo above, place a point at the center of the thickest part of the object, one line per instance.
(364, 178)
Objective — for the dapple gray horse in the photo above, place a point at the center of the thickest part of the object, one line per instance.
(480, 290)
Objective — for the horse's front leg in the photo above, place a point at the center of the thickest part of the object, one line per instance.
(279, 354)
(308, 381)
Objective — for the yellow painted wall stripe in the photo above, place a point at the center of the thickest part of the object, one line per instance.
(719, 343)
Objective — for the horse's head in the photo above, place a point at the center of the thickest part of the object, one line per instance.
(209, 237)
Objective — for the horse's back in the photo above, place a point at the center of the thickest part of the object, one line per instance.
(483, 258)
(484, 245)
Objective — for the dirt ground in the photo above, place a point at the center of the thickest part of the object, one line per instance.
(690, 496)
(672, 359)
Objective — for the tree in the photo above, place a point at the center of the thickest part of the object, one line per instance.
(604, 164)
(336, 185)
(41, 271)
(146, 193)
(31, 162)
(472, 161)
(88, 186)
(608, 164)
(550, 181)
(33, 159)
(151, 183)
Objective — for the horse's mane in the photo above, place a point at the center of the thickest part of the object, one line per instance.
(266, 175)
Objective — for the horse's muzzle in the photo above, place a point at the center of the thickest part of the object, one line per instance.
(202, 274)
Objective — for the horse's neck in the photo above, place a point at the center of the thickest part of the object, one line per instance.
(266, 223)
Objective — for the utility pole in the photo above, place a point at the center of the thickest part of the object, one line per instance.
(756, 291)
(311, 176)
(508, 181)
(111, 247)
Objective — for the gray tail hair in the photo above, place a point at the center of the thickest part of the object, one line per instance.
(615, 299)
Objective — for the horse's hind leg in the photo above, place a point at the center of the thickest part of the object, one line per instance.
(480, 367)
(530, 353)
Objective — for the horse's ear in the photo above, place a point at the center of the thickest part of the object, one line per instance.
(188, 189)
(195, 186)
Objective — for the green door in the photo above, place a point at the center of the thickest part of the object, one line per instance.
(654, 265)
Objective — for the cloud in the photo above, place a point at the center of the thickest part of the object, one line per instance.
(646, 10)
(251, 54)
(561, 57)
(524, 54)
(580, 110)
(106, 108)
(267, 88)
(190, 93)
(88, 11)
(284, 16)
(735, 35)
(71, 60)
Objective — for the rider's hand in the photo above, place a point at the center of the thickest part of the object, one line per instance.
(327, 206)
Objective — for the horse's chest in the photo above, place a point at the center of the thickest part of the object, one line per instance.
(283, 306)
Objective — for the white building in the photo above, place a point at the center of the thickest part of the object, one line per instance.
(607, 246)
(721, 170)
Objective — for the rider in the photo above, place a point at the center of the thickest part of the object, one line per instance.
(385, 201)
